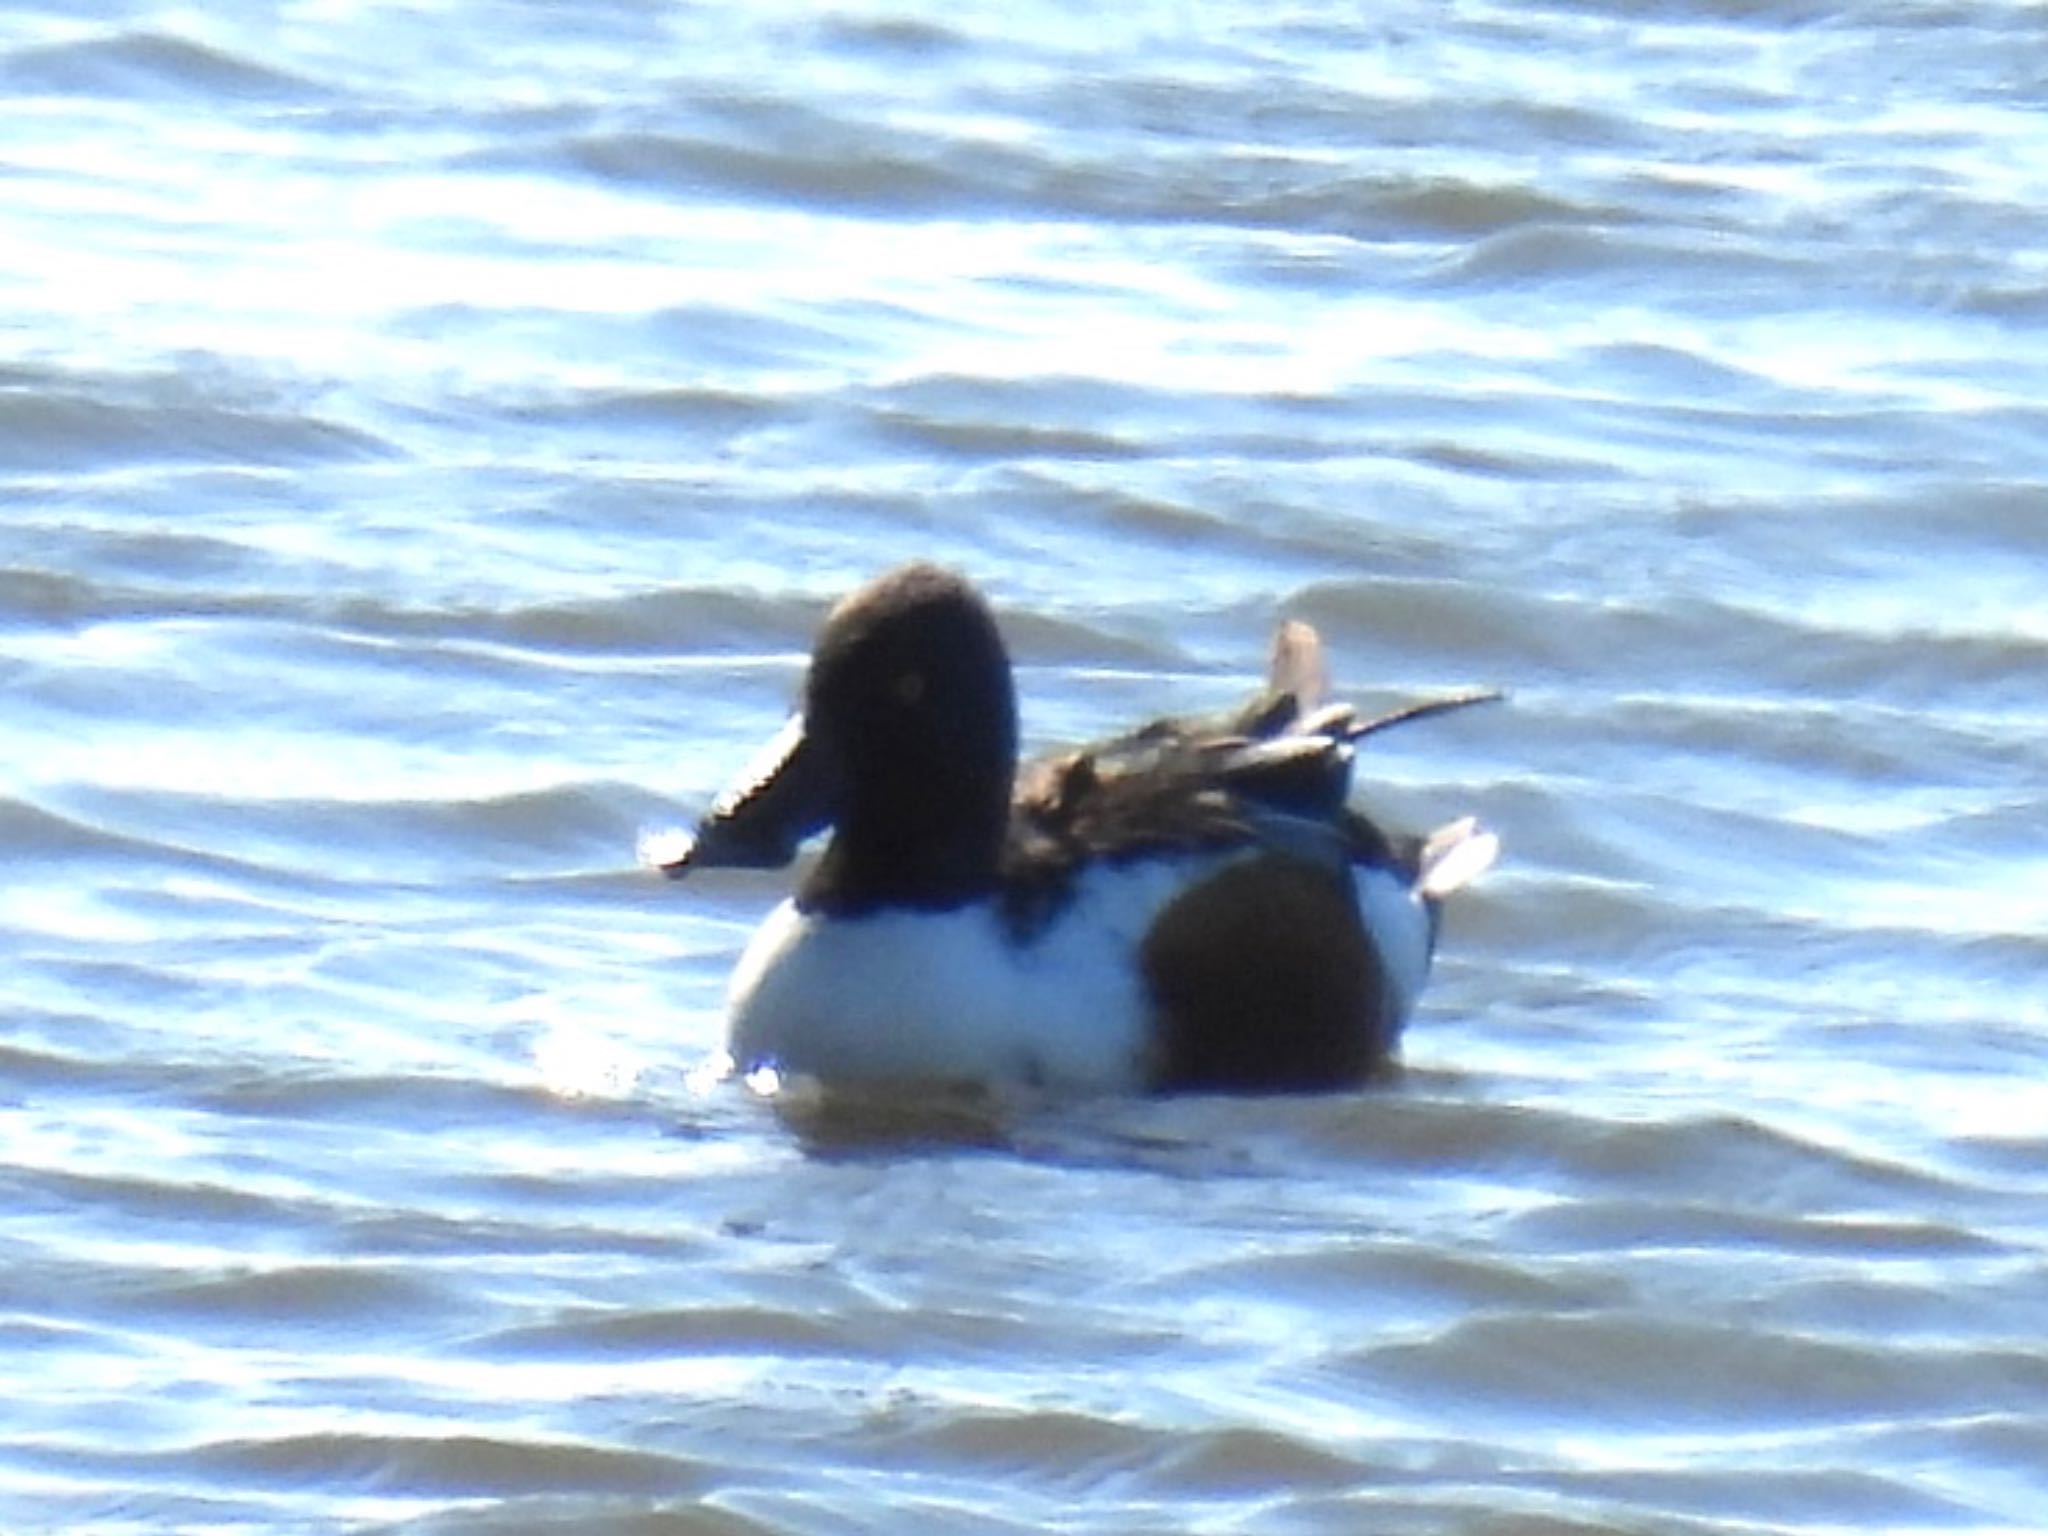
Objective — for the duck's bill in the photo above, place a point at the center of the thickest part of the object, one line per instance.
(760, 822)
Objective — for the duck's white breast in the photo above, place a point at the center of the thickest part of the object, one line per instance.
(902, 994)
(952, 995)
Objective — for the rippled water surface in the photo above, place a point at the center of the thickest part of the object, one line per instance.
(428, 437)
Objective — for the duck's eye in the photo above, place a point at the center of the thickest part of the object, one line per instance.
(908, 687)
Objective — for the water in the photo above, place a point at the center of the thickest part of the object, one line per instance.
(427, 441)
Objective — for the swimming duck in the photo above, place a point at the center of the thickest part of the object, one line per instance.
(1189, 907)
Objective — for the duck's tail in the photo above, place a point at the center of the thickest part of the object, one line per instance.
(1453, 856)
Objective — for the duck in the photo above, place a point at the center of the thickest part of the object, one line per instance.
(1191, 906)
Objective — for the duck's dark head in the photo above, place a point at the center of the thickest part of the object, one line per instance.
(906, 749)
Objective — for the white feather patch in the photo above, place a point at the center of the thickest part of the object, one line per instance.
(1455, 856)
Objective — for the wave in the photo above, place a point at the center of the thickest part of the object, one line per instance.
(124, 65)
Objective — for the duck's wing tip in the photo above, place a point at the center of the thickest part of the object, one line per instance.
(1453, 856)
(1423, 709)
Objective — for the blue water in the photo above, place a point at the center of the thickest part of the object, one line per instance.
(428, 440)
